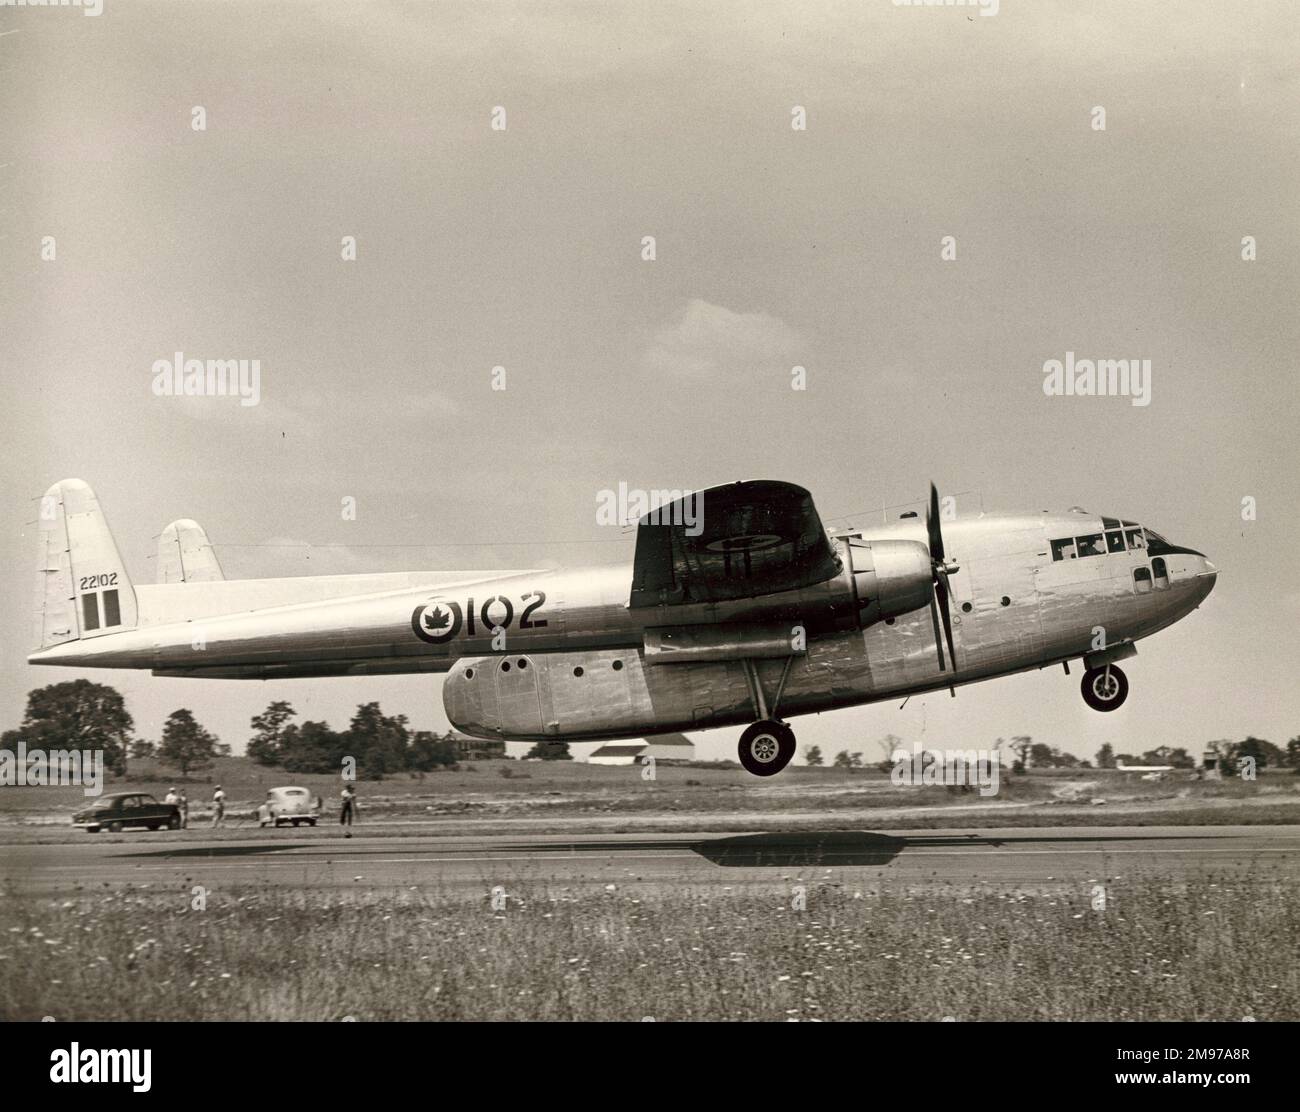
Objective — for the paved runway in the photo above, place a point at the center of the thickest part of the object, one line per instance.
(1028, 859)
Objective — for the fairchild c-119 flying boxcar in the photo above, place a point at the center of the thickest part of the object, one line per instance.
(754, 613)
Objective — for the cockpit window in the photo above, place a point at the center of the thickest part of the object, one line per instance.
(1134, 537)
(1115, 541)
(1063, 549)
(1090, 545)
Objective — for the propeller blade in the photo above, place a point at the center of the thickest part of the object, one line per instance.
(934, 618)
(932, 526)
(941, 590)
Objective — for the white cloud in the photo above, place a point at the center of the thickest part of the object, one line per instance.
(706, 339)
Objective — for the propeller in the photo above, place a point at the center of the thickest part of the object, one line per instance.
(941, 569)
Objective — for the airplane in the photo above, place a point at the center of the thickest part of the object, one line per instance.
(746, 613)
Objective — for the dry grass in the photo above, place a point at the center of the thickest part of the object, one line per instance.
(1160, 950)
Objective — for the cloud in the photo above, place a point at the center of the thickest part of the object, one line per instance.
(707, 339)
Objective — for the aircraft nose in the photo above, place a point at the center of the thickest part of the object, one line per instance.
(1208, 576)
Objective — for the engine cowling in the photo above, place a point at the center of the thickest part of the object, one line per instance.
(890, 577)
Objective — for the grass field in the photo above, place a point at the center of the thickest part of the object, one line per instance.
(1159, 950)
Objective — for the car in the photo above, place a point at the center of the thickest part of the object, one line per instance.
(122, 809)
(289, 804)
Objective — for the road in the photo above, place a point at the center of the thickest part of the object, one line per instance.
(1020, 859)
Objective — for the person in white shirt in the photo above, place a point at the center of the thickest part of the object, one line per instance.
(171, 796)
(218, 806)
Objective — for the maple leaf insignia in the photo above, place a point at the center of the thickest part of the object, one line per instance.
(436, 619)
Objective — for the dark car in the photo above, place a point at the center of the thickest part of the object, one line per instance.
(117, 812)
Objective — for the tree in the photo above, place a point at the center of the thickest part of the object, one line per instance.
(1106, 756)
(1042, 756)
(380, 743)
(185, 744)
(845, 759)
(812, 755)
(312, 747)
(266, 746)
(1293, 753)
(142, 747)
(78, 714)
(1265, 753)
(550, 751)
(1021, 747)
(888, 746)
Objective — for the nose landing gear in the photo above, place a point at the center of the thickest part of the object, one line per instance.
(1104, 688)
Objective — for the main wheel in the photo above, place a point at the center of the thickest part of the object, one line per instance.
(1104, 688)
(766, 747)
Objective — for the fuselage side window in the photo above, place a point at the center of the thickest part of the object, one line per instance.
(1063, 550)
(1161, 571)
(1142, 579)
(1090, 545)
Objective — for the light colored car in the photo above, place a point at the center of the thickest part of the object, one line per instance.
(290, 804)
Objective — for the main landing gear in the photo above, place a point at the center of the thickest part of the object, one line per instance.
(767, 746)
(1104, 688)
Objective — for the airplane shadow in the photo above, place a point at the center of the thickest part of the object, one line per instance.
(222, 851)
(828, 847)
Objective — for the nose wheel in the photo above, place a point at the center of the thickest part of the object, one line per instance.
(1104, 688)
(766, 747)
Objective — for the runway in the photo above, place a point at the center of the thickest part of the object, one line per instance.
(1013, 858)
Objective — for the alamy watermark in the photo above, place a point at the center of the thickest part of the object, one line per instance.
(1087, 378)
(628, 505)
(58, 768)
(976, 768)
(208, 378)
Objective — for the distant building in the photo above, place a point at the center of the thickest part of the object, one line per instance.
(618, 753)
(477, 748)
(667, 747)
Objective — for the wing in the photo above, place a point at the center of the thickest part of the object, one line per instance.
(730, 542)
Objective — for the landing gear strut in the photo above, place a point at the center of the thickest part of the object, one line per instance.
(767, 746)
(1104, 688)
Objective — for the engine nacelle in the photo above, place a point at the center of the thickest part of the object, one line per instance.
(891, 578)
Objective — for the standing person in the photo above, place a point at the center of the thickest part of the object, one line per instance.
(218, 806)
(183, 802)
(349, 797)
(171, 796)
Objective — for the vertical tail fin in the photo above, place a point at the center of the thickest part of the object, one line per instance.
(185, 555)
(82, 586)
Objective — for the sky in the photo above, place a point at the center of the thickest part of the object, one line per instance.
(774, 247)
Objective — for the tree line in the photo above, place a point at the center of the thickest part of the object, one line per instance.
(79, 714)
(1024, 753)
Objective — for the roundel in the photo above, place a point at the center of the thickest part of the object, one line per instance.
(436, 621)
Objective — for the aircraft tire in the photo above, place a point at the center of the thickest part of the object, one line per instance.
(1104, 689)
(766, 747)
